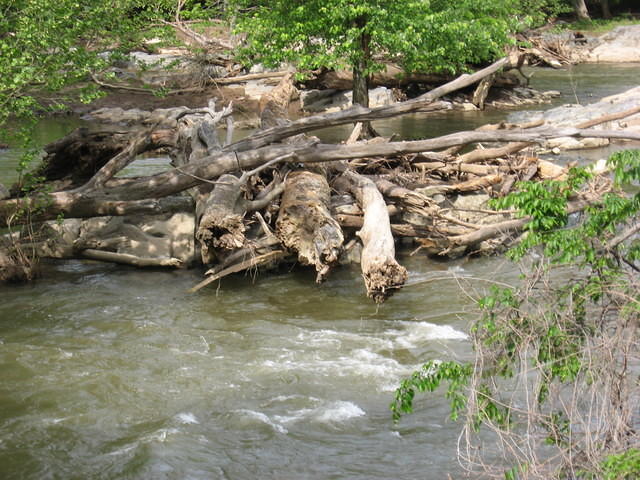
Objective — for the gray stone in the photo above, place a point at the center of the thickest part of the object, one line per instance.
(622, 44)
(4, 192)
(466, 206)
(439, 198)
(332, 100)
(572, 115)
(432, 190)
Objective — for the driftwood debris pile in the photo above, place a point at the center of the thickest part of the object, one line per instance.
(278, 193)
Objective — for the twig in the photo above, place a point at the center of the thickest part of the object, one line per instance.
(252, 262)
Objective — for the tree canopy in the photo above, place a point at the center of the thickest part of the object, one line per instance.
(46, 45)
(434, 36)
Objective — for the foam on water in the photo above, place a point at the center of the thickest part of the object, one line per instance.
(361, 363)
(453, 272)
(187, 418)
(418, 333)
(368, 357)
(340, 412)
(327, 413)
(337, 339)
(261, 417)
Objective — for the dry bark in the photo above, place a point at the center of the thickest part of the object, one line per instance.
(229, 180)
(305, 224)
(220, 228)
(382, 274)
(273, 105)
(482, 90)
(15, 268)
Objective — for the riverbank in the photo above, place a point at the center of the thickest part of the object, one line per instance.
(173, 76)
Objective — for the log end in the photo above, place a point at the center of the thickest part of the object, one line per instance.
(220, 233)
(384, 280)
(15, 269)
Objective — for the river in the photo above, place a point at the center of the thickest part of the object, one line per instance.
(108, 372)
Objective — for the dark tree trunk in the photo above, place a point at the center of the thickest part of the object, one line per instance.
(360, 87)
(606, 10)
(361, 77)
(580, 9)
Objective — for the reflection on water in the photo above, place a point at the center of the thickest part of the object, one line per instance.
(47, 130)
(110, 372)
(586, 83)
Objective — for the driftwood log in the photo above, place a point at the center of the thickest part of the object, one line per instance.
(381, 272)
(305, 224)
(227, 194)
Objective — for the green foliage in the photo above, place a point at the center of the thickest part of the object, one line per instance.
(46, 45)
(563, 341)
(540, 11)
(189, 9)
(598, 26)
(623, 466)
(428, 36)
(428, 379)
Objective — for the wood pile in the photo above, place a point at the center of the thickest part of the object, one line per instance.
(280, 195)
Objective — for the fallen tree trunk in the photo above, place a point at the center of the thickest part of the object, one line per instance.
(227, 181)
(305, 224)
(123, 194)
(128, 259)
(381, 272)
(425, 102)
(220, 228)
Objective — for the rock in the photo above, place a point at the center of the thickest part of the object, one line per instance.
(570, 143)
(257, 68)
(622, 44)
(154, 61)
(468, 107)
(572, 115)
(439, 198)
(550, 171)
(332, 100)
(256, 89)
(4, 192)
(432, 191)
(466, 206)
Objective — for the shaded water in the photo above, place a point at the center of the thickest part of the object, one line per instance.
(110, 372)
